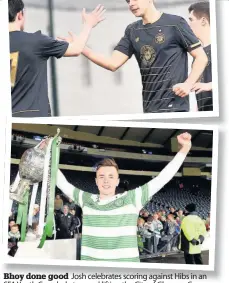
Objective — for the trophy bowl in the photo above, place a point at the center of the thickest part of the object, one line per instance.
(31, 168)
(31, 165)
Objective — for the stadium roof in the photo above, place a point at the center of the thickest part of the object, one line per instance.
(140, 137)
(143, 135)
(89, 4)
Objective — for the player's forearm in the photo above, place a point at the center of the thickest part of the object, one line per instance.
(99, 59)
(209, 85)
(197, 69)
(169, 171)
(80, 41)
(64, 185)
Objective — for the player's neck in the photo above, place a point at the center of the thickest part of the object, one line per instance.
(206, 38)
(14, 27)
(151, 16)
(104, 197)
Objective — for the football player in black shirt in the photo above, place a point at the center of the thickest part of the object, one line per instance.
(199, 17)
(160, 42)
(29, 53)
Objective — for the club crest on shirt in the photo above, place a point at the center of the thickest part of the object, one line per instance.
(119, 202)
(160, 38)
(148, 55)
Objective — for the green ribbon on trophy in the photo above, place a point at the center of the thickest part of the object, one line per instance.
(55, 156)
(38, 164)
(23, 215)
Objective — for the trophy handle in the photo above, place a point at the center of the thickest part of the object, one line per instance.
(19, 192)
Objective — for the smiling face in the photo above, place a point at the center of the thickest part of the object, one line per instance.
(139, 7)
(107, 179)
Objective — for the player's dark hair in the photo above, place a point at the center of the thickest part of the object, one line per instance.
(201, 9)
(107, 162)
(14, 7)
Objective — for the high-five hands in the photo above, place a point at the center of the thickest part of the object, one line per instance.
(182, 89)
(95, 17)
(89, 19)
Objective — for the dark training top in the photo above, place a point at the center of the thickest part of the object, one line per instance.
(29, 53)
(204, 99)
(161, 51)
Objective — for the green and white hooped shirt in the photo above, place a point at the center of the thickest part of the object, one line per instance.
(110, 226)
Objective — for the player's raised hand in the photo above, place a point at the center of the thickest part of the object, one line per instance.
(95, 17)
(182, 89)
(69, 38)
(184, 140)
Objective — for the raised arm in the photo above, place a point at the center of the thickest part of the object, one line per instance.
(64, 185)
(123, 51)
(144, 194)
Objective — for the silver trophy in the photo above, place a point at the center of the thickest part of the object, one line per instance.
(31, 169)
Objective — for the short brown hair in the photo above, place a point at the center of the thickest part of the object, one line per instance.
(201, 9)
(107, 162)
(15, 226)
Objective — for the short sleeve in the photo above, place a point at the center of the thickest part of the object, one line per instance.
(141, 196)
(50, 47)
(185, 36)
(125, 45)
(78, 197)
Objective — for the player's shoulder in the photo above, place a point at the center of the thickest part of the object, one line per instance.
(173, 19)
(38, 35)
(134, 25)
(29, 36)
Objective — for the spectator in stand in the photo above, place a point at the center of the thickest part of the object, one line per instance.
(141, 234)
(156, 227)
(180, 214)
(11, 223)
(65, 224)
(207, 222)
(164, 224)
(35, 219)
(76, 220)
(58, 204)
(71, 204)
(147, 235)
(14, 232)
(163, 213)
(173, 211)
(172, 232)
(144, 214)
(13, 238)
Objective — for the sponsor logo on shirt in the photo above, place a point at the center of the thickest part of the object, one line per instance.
(137, 39)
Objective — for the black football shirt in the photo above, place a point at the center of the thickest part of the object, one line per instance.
(204, 99)
(161, 51)
(29, 53)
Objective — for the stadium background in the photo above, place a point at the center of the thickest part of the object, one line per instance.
(77, 86)
(141, 154)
